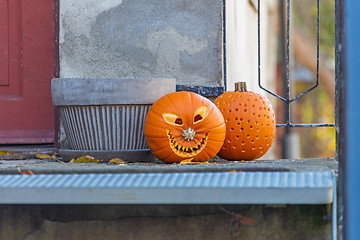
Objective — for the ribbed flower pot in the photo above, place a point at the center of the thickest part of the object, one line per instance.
(105, 117)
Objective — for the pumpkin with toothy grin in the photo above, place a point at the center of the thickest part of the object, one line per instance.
(183, 151)
(184, 125)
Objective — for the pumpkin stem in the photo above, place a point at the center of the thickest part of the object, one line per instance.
(188, 134)
(240, 87)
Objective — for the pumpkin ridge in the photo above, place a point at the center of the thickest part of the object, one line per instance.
(173, 103)
(162, 153)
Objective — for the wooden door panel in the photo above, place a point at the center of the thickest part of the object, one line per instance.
(26, 69)
(4, 39)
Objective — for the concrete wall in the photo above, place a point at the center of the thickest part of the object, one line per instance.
(159, 38)
(168, 222)
(142, 38)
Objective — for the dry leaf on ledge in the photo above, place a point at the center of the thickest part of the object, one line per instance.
(189, 161)
(5, 152)
(44, 156)
(117, 161)
(27, 172)
(85, 159)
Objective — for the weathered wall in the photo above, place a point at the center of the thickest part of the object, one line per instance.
(136, 222)
(142, 38)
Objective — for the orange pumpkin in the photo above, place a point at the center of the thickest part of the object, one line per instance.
(184, 125)
(250, 124)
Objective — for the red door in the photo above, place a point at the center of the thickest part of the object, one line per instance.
(26, 69)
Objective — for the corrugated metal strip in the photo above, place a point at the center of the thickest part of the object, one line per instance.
(186, 188)
(97, 128)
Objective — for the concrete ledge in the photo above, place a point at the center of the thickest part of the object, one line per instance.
(51, 166)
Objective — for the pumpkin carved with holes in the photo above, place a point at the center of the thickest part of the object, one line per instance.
(184, 125)
(250, 124)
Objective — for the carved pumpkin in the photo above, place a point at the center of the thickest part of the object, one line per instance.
(184, 125)
(250, 124)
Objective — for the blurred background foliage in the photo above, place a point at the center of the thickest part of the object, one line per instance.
(304, 15)
(318, 105)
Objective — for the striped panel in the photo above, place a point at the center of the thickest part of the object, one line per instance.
(171, 188)
(105, 127)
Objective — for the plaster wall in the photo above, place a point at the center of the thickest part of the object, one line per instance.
(181, 39)
(159, 38)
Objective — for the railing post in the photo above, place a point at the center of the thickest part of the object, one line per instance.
(351, 165)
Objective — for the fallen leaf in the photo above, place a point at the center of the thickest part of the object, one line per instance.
(72, 160)
(186, 161)
(27, 172)
(117, 161)
(189, 161)
(85, 159)
(5, 152)
(245, 220)
(44, 156)
(201, 162)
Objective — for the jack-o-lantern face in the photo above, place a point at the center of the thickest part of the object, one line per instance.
(184, 125)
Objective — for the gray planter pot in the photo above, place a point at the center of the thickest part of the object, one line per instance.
(106, 116)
